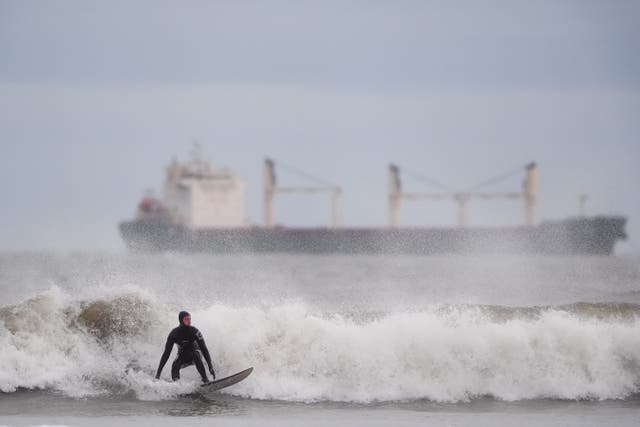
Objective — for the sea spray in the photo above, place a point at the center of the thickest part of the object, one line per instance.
(111, 343)
(428, 355)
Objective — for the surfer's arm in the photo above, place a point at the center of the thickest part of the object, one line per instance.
(165, 356)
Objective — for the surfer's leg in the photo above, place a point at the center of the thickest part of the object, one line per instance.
(175, 369)
(197, 360)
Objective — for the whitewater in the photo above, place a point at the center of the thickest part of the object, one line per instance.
(323, 330)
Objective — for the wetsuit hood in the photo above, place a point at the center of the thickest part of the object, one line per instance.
(182, 315)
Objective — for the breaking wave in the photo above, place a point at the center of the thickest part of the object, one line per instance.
(111, 345)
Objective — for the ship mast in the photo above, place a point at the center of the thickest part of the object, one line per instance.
(271, 188)
(528, 194)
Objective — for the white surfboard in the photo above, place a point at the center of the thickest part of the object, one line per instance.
(227, 381)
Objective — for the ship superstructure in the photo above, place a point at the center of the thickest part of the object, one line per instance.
(197, 196)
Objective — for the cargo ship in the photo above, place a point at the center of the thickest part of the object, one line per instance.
(202, 210)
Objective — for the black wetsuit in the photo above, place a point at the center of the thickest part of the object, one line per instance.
(190, 345)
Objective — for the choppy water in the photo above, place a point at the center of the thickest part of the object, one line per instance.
(82, 333)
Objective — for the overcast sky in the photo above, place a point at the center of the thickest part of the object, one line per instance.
(97, 97)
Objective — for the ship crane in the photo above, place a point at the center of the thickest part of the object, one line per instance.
(528, 194)
(271, 188)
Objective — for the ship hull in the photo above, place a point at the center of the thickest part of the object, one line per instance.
(596, 235)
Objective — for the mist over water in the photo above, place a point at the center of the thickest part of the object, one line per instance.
(355, 329)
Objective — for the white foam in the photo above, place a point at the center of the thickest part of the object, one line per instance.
(299, 356)
(305, 356)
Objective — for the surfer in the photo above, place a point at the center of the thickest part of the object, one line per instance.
(190, 346)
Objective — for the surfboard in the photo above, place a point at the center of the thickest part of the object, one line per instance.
(227, 381)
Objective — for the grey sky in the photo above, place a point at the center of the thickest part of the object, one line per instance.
(96, 97)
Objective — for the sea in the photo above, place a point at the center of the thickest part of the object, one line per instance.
(333, 339)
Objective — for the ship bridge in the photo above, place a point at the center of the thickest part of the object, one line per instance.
(198, 196)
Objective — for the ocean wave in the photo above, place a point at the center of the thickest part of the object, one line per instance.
(110, 344)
